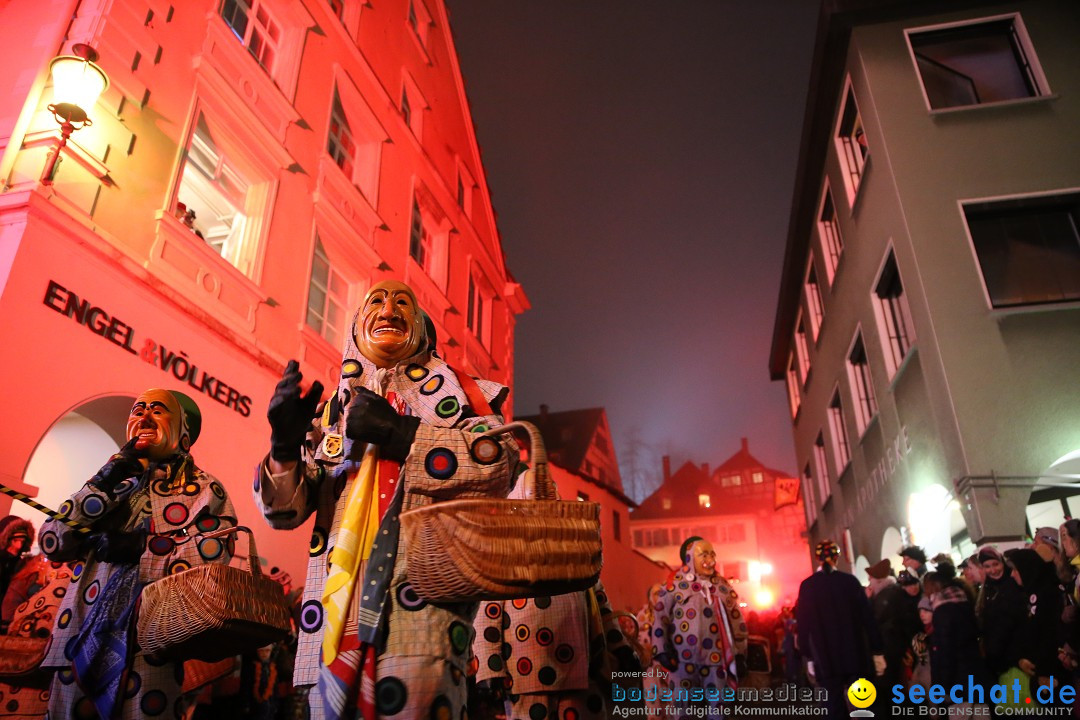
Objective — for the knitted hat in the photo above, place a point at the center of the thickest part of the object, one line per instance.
(880, 570)
(915, 553)
(827, 551)
(989, 552)
(924, 604)
(1047, 536)
(192, 414)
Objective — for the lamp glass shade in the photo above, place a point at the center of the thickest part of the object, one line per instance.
(77, 82)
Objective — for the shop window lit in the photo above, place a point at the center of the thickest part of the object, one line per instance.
(327, 297)
(253, 25)
(212, 197)
(703, 501)
(660, 537)
(893, 315)
(851, 144)
(976, 63)
(829, 231)
(838, 433)
(1028, 249)
(736, 533)
(758, 478)
(419, 238)
(862, 385)
(639, 538)
(665, 503)
(339, 142)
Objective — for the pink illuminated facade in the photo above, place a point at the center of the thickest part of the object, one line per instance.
(253, 167)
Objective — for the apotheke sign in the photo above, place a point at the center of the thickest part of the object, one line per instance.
(119, 333)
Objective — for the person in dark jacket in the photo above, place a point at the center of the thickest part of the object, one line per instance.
(836, 629)
(1040, 632)
(15, 534)
(896, 610)
(914, 559)
(954, 648)
(1001, 613)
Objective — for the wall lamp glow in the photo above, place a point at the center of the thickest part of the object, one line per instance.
(77, 84)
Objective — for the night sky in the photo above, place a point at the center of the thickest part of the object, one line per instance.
(641, 156)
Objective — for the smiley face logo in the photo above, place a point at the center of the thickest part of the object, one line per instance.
(862, 693)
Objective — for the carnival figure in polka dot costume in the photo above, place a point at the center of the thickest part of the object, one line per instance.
(699, 634)
(400, 432)
(149, 506)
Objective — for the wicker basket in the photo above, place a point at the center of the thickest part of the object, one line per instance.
(495, 549)
(213, 611)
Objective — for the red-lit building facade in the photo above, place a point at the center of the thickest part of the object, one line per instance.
(253, 167)
(583, 465)
(751, 514)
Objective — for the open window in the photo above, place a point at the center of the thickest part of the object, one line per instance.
(861, 383)
(354, 140)
(851, 143)
(328, 298)
(838, 433)
(895, 328)
(974, 63)
(832, 244)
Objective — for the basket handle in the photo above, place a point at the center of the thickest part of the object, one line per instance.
(540, 478)
(253, 553)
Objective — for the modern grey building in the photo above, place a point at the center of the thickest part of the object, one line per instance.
(928, 324)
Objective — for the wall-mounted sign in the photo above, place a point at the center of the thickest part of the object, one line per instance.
(119, 333)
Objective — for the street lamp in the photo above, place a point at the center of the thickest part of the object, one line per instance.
(77, 84)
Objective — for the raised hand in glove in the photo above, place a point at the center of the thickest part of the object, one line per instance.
(371, 419)
(118, 547)
(121, 466)
(290, 414)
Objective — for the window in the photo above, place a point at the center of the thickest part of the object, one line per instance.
(1028, 249)
(809, 505)
(851, 144)
(703, 501)
(406, 107)
(893, 316)
(338, 8)
(802, 350)
(213, 197)
(327, 297)
(253, 25)
(813, 300)
(339, 141)
(665, 503)
(660, 537)
(862, 386)
(829, 231)
(730, 480)
(616, 524)
(465, 187)
(582, 496)
(478, 312)
(821, 470)
(758, 477)
(419, 21)
(976, 63)
(838, 433)
(639, 538)
(412, 107)
(793, 385)
(419, 238)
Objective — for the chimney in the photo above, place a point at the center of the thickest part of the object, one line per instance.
(667, 467)
(745, 446)
(705, 469)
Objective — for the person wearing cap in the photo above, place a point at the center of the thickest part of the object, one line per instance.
(917, 659)
(836, 629)
(403, 430)
(148, 507)
(1001, 611)
(914, 559)
(895, 610)
(15, 534)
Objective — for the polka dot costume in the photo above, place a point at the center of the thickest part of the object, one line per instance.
(176, 514)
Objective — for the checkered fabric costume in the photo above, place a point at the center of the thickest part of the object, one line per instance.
(556, 654)
(422, 650)
(176, 516)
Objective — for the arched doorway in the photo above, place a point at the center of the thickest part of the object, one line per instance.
(1050, 506)
(72, 451)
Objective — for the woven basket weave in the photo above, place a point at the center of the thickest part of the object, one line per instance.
(496, 549)
(213, 611)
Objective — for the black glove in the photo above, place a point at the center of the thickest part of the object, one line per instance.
(116, 546)
(372, 420)
(493, 690)
(290, 414)
(121, 466)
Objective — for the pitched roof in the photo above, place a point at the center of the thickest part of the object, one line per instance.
(568, 435)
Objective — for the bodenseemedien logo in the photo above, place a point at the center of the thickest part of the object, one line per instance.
(862, 694)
